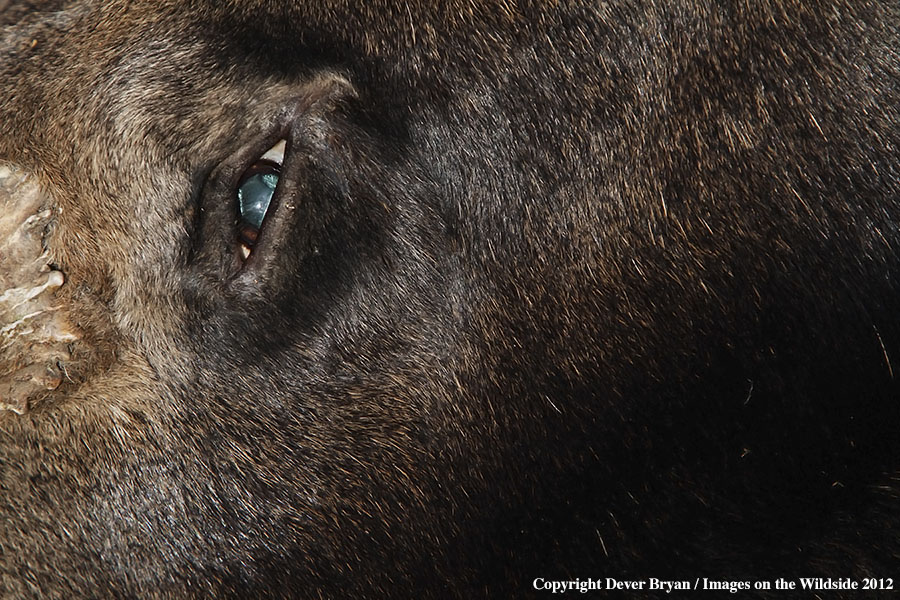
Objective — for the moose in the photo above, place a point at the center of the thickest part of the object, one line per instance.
(324, 298)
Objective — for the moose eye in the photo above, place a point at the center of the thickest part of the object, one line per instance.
(254, 194)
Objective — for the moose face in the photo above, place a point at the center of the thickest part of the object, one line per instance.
(325, 299)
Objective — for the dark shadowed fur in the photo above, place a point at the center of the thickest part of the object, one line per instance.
(558, 290)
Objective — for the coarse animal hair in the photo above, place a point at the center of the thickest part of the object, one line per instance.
(545, 290)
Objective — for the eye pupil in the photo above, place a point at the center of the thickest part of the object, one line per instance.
(254, 196)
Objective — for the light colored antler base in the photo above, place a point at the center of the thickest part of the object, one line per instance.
(34, 335)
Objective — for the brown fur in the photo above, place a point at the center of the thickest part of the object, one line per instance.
(550, 290)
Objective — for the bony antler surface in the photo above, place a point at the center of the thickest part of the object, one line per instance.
(34, 334)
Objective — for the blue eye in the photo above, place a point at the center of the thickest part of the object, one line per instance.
(255, 193)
